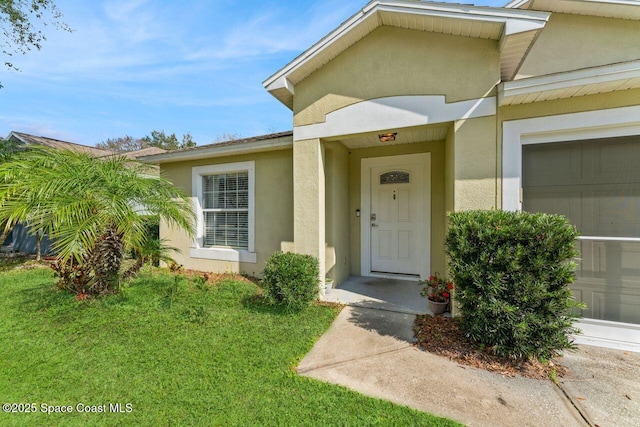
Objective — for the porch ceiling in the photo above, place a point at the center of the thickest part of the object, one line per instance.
(404, 136)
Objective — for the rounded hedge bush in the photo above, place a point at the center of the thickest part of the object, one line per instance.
(291, 280)
(512, 271)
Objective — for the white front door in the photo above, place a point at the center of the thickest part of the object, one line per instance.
(396, 214)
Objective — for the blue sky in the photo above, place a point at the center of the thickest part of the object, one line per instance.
(133, 66)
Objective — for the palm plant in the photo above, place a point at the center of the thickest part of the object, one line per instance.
(94, 210)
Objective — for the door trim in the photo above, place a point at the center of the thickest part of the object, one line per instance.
(424, 201)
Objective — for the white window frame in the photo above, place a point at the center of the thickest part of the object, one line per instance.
(198, 250)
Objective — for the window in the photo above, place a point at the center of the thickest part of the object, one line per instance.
(395, 177)
(224, 197)
(226, 210)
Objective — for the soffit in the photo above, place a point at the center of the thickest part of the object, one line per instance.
(623, 9)
(590, 81)
(515, 29)
(404, 136)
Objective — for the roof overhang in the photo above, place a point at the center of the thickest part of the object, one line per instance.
(515, 30)
(221, 150)
(588, 81)
(623, 9)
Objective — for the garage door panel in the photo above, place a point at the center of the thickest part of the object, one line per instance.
(554, 200)
(599, 191)
(545, 165)
(616, 212)
(617, 161)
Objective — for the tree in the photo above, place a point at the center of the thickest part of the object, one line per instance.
(8, 147)
(168, 142)
(122, 144)
(227, 136)
(155, 139)
(20, 20)
(93, 210)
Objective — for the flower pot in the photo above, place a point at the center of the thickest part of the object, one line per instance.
(438, 307)
(328, 284)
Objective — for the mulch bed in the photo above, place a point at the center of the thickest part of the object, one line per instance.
(441, 335)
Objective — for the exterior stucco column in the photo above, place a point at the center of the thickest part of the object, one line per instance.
(309, 201)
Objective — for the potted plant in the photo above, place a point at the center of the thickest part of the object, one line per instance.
(438, 291)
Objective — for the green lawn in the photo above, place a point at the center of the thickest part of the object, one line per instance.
(179, 353)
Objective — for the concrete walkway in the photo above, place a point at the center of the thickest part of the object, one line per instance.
(371, 351)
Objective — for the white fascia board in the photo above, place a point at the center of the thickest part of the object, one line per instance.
(530, 20)
(584, 77)
(15, 136)
(212, 152)
(476, 13)
(517, 26)
(325, 42)
(282, 83)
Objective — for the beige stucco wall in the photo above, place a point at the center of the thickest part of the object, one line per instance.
(337, 205)
(437, 150)
(570, 42)
(475, 162)
(309, 201)
(273, 212)
(449, 169)
(394, 61)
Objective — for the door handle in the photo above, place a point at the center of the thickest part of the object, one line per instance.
(373, 224)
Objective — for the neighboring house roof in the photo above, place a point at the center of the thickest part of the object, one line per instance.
(623, 9)
(254, 144)
(25, 138)
(514, 29)
(133, 155)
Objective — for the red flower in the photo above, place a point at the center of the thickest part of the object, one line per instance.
(449, 285)
(431, 278)
(446, 294)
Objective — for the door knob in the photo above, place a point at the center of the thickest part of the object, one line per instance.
(373, 224)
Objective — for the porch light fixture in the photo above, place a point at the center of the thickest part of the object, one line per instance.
(387, 137)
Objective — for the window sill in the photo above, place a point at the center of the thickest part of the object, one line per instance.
(222, 254)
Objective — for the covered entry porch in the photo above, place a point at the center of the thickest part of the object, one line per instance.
(400, 296)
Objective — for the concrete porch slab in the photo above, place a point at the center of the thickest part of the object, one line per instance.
(401, 296)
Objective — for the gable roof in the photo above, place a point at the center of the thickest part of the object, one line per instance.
(27, 139)
(515, 29)
(254, 144)
(623, 9)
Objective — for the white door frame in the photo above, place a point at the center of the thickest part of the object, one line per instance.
(424, 203)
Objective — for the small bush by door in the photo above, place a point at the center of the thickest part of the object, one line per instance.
(291, 280)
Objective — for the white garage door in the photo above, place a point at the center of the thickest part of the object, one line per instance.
(596, 184)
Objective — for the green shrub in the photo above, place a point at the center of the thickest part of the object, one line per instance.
(291, 280)
(512, 271)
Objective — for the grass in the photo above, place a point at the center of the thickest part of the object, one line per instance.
(180, 352)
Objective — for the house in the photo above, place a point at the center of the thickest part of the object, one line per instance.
(20, 239)
(411, 109)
